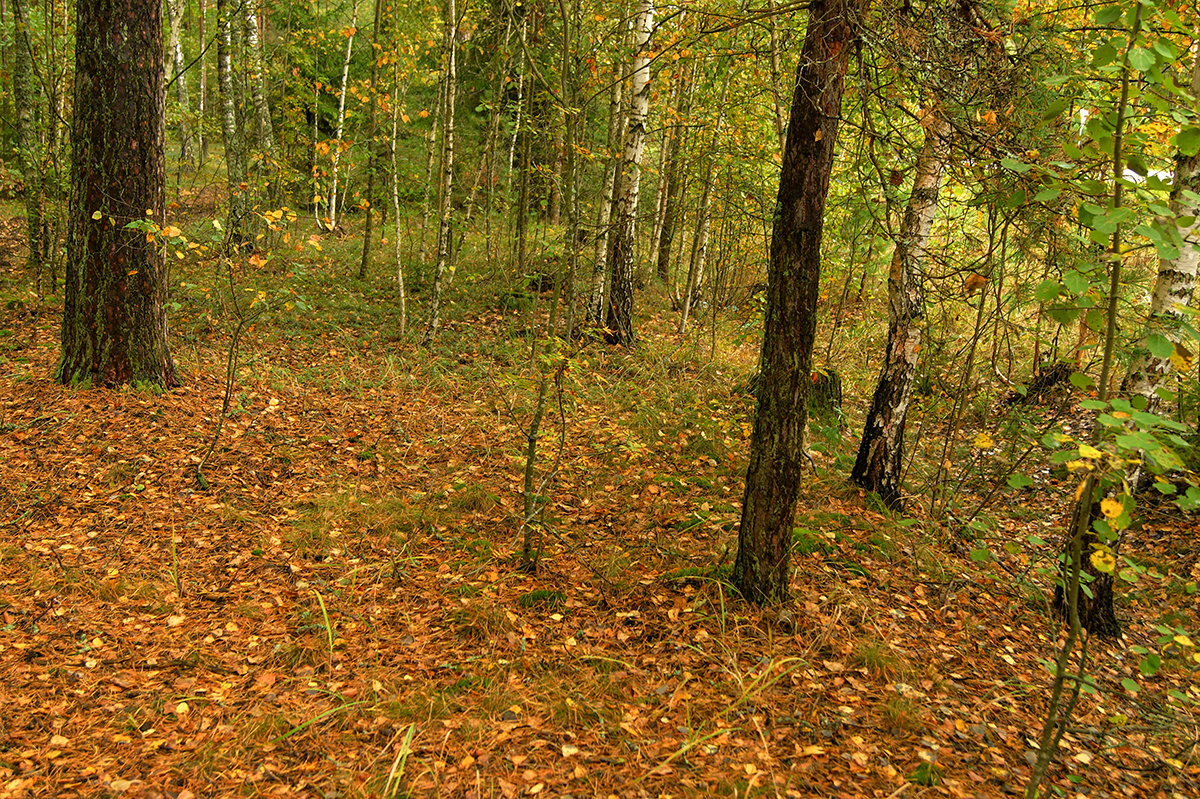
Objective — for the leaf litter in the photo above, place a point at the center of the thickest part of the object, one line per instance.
(342, 615)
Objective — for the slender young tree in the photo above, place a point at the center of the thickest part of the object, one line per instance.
(445, 205)
(372, 162)
(881, 452)
(595, 306)
(28, 101)
(114, 324)
(175, 9)
(231, 131)
(331, 218)
(622, 251)
(793, 276)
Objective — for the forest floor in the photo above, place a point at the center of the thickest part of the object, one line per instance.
(338, 610)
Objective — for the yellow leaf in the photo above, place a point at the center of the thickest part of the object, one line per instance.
(170, 231)
(1088, 451)
(1111, 508)
(97, 215)
(984, 441)
(1104, 561)
(182, 708)
(1183, 640)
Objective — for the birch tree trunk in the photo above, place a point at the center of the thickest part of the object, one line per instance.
(447, 188)
(231, 132)
(372, 162)
(331, 219)
(762, 569)
(881, 452)
(622, 250)
(400, 288)
(1176, 279)
(264, 130)
(202, 100)
(175, 9)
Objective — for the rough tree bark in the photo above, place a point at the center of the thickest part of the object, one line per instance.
(622, 250)
(880, 454)
(793, 274)
(114, 324)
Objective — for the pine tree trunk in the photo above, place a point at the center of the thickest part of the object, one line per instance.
(622, 250)
(175, 10)
(881, 451)
(446, 205)
(773, 475)
(114, 324)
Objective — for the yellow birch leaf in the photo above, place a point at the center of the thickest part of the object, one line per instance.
(1111, 508)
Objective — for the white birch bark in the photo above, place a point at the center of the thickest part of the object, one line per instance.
(332, 215)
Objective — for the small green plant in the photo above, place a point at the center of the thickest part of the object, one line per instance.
(542, 598)
(927, 775)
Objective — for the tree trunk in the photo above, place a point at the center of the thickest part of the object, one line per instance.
(114, 324)
(232, 133)
(175, 10)
(622, 250)
(1176, 279)
(264, 132)
(331, 218)
(372, 161)
(594, 315)
(202, 100)
(699, 259)
(444, 254)
(674, 178)
(881, 452)
(793, 277)
(26, 97)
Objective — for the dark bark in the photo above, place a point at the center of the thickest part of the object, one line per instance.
(776, 447)
(114, 324)
(1095, 603)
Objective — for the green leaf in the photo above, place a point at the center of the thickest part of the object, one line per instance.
(1105, 54)
(1159, 345)
(1130, 685)
(1047, 290)
(1187, 141)
(1055, 108)
(1080, 380)
(1014, 165)
(980, 555)
(1142, 59)
(1019, 481)
(1108, 15)
(1047, 195)
(1150, 664)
